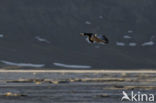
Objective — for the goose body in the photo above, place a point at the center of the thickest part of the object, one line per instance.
(96, 38)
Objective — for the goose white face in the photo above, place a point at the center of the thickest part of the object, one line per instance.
(82, 34)
(96, 35)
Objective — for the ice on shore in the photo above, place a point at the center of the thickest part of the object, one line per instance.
(150, 43)
(41, 39)
(23, 64)
(71, 66)
(120, 44)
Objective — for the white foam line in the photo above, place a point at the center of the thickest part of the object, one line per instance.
(23, 64)
(71, 66)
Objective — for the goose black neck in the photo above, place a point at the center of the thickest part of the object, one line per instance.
(88, 34)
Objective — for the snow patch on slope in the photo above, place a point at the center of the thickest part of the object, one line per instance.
(23, 64)
(150, 43)
(120, 44)
(71, 66)
(41, 39)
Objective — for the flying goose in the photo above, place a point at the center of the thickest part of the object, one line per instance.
(96, 38)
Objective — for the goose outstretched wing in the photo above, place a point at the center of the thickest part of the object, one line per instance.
(103, 38)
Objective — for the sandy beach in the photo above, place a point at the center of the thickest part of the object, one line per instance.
(38, 86)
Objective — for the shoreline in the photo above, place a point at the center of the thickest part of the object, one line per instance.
(80, 71)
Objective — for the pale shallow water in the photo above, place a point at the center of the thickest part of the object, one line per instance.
(55, 87)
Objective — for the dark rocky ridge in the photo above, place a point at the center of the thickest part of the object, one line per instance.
(61, 21)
